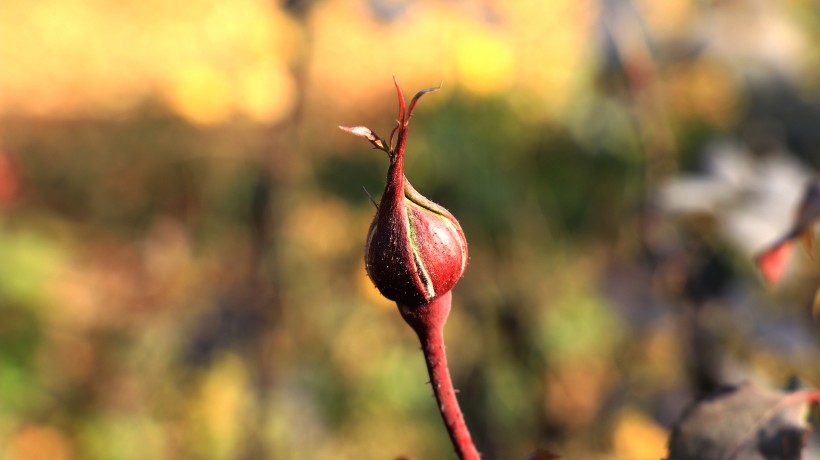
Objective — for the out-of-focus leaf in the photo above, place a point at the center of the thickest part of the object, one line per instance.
(752, 199)
(744, 422)
(772, 262)
(29, 262)
(637, 436)
(38, 441)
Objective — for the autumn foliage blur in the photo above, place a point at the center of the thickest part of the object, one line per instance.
(182, 224)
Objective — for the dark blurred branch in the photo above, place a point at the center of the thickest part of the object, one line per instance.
(630, 56)
(274, 171)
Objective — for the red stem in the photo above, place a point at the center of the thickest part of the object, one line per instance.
(428, 322)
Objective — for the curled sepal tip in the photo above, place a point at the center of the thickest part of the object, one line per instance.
(366, 133)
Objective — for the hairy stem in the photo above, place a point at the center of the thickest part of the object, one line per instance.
(433, 347)
(428, 322)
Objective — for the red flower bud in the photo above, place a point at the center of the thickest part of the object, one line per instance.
(416, 250)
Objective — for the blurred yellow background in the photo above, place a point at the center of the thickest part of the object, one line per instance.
(182, 225)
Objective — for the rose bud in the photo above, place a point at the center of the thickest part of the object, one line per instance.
(415, 250)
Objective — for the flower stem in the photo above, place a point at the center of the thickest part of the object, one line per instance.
(428, 322)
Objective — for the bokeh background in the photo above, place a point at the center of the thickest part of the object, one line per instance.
(182, 224)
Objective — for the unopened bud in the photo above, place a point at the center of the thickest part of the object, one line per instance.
(415, 250)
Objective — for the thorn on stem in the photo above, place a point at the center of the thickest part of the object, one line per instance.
(372, 200)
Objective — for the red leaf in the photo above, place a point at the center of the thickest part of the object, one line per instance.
(772, 262)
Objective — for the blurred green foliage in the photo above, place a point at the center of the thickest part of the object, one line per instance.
(181, 276)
